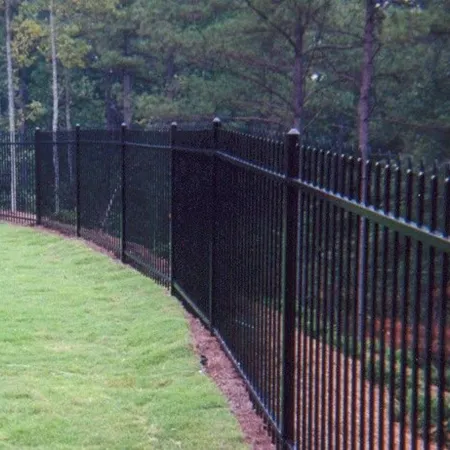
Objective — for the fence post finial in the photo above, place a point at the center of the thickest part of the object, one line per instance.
(216, 126)
(173, 132)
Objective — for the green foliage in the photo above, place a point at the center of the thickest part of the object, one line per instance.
(237, 59)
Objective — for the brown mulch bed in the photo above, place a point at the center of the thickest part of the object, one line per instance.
(218, 366)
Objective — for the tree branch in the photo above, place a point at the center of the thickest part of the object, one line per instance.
(259, 83)
(275, 26)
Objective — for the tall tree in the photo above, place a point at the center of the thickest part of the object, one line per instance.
(27, 35)
(11, 106)
(119, 52)
(363, 138)
(276, 47)
(55, 95)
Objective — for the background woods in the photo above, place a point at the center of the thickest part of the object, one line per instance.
(367, 74)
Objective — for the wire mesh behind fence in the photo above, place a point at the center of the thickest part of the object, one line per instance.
(100, 187)
(147, 176)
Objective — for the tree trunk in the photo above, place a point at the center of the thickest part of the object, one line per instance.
(22, 100)
(363, 137)
(67, 99)
(108, 100)
(298, 76)
(11, 107)
(127, 104)
(55, 104)
(170, 72)
(366, 80)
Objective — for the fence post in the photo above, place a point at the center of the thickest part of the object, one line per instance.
(173, 133)
(123, 235)
(37, 168)
(290, 270)
(212, 250)
(77, 180)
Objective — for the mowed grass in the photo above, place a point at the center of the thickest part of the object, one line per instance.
(94, 355)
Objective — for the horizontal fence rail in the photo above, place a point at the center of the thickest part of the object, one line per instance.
(325, 278)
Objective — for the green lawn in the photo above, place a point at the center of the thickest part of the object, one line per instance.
(95, 356)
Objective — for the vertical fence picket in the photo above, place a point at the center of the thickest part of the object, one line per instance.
(416, 305)
(429, 299)
(394, 311)
(213, 221)
(404, 313)
(362, 295)
(290, 286)
(172, 143)
(123, 222)
(443, 299)
(78, 179)
(37, 176)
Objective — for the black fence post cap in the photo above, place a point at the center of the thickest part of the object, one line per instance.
(216, 120)
(293, 132)
(173, 124)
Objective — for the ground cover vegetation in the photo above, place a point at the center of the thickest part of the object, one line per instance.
(94, 355)
(372, 74)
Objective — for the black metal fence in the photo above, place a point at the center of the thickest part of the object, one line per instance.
(325, 278)
(17, 178)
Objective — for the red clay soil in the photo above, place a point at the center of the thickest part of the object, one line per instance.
(386, 328)
(221, 370)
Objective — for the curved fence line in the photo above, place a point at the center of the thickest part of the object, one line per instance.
(324, 277)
